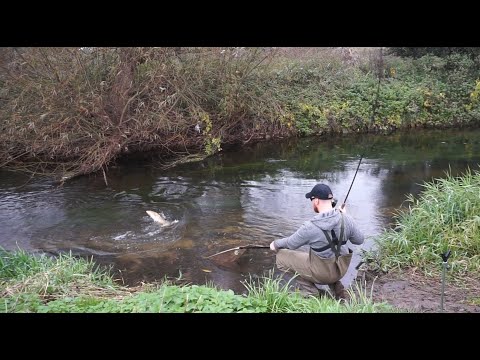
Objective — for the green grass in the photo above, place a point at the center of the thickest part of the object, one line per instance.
(277, 298)
(37, 283)
(445, 217)
(30, 279)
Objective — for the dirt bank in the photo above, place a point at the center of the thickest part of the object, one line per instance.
(414, 292)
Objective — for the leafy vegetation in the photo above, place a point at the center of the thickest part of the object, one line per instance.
(445, 217)
(68, 111)
(417, 52)
(30, 283)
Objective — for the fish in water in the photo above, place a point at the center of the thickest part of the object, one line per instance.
(160, 218)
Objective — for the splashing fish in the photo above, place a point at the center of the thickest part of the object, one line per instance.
(160, 218)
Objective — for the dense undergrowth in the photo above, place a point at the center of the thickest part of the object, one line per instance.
(69, 111)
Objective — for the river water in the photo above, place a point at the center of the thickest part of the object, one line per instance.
(247, 196)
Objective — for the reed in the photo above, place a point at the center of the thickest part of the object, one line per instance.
(444, 217)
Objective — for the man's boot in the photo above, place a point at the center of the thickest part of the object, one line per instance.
(338, 290)
(306, 288)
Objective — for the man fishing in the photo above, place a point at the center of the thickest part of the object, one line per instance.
(317, 251)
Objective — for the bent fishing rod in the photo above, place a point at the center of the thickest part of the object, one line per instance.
(372, 118)
(268, 246)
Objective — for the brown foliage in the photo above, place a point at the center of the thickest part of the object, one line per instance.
(70, 111)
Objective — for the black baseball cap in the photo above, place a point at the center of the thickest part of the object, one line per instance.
(320, 191)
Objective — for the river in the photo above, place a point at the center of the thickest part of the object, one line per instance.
(238, 197)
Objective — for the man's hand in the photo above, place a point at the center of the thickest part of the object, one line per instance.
(272, 246)
(343, 209)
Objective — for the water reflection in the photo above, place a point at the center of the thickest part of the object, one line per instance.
(253, 195)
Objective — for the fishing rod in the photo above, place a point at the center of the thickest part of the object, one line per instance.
(268, 247)
(372, 118)
(354, 176)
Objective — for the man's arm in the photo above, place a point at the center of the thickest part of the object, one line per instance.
(355, 235)
(294, 241)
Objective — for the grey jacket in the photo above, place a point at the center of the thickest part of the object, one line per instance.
(311, 234)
